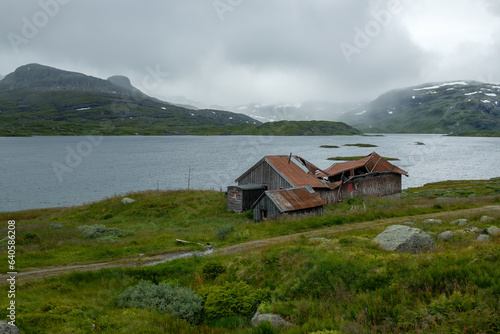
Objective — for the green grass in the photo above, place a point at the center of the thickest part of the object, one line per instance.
(348, 283)
(453, 189)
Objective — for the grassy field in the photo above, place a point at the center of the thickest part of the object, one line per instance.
(345, 283)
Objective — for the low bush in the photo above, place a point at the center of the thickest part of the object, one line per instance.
(233, 299)
(212, 269)
(102, 232)
(181, 302)
(224, 231)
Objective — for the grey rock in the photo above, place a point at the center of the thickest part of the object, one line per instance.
(404, 239)
(471, 230)
(5, 328)
(127, 200)
(483, 237)
(460, 222)
(493, 230)
(276, 320)
(433, 221)
(486, 219)
(445, 236)
(56, 225)
(319, 239)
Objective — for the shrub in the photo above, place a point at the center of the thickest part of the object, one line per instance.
(232, 299)
(31, 237)
(224, 231)
(181, 302)
(102, 232)
(249, 214)
(211, 270)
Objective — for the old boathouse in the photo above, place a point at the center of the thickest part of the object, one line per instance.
(369, 176)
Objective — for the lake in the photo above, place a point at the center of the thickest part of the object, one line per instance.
(40, 172)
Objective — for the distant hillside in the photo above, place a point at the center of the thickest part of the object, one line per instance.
(296, 128)
(41, 100)
(458, 108)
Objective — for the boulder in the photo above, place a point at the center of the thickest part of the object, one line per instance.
(404, 239)
(445, 236)
(486, 219)
(493, 230)
(56, 225)
(433, 221)
(460, 222)
(5, 328)
(276, 320)
(127, 200)
(483, 237)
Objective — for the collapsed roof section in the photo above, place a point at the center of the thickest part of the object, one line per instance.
(369, 165)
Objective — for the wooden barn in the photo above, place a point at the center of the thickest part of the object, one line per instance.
(274, 204)
(241, 198)
(370, 176)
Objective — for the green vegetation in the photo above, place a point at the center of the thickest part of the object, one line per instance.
(361, 145)
(295, 128)
(344, 284)
(453, 189)
(329, 146)
(353, 158)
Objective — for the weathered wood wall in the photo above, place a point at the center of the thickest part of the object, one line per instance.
(241, 200)
(265, 174)
(265, 204)
(373, 185)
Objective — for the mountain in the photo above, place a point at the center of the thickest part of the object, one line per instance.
(42, 100)
(309, 110)
(1, 77)
(458, 108)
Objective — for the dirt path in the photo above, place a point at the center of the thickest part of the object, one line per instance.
(254, 245)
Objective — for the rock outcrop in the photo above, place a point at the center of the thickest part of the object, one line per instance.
(445, 236)
(404, 239)
(492, 230)
(274, 319)
(5, 328)
(127, 200)
(459, 222)
(486, 219)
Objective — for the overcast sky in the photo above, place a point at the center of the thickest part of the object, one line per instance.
(267, 51)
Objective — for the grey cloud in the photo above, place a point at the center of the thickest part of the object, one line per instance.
(260, 49)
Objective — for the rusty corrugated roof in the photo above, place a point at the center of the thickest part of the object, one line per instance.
(291, 170)
(373, 163)
(294, 199)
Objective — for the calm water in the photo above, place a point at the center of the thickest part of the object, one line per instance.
(42, 172)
